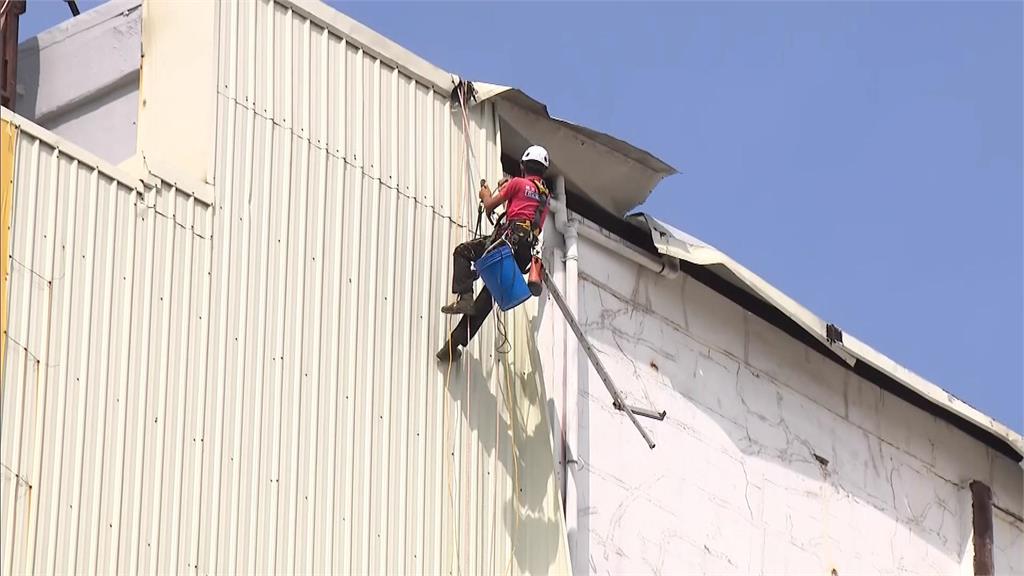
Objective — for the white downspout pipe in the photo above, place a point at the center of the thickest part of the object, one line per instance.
(572, 394)
(567, 225)
(571, 226)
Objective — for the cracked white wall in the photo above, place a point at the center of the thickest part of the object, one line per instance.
(772, 460)
(1008, 542)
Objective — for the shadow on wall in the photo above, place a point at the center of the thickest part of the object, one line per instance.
(794, 458)
(98, 112)
(527, 460)
(28, 78)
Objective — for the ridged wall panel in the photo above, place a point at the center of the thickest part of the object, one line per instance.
(109, 306)
(249, 386)
(343, 184)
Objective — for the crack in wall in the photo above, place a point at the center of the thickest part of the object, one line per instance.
(705, 350)
(746, 489)
(921, 507)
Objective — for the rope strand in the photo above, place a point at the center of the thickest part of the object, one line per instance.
(449, 475)
(503, 347)
(508, 396)
(447, 470)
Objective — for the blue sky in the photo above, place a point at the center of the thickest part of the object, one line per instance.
(865, 158)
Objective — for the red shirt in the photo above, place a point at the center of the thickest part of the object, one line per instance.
(521, 200)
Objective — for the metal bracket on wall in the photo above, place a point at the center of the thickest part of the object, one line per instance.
(10, 12)
(619, 403)
(833, 334)
(645, 412)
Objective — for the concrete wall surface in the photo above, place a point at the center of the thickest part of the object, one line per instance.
(1008, 540)
(772, 460)
(80, 79)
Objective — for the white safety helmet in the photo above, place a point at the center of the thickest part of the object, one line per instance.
(537, 154)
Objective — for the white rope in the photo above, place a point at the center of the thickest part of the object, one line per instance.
(469, 141)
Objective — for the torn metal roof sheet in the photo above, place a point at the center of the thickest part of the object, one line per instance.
(612, 172)
(859, 356)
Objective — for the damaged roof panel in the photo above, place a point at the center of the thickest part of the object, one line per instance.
(613, 173)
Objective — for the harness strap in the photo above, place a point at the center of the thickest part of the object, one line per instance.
(545, 195)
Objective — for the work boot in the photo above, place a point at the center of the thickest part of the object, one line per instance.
(462, 305)
(449, 353)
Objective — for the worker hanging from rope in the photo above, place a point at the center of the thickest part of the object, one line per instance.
(526, 208)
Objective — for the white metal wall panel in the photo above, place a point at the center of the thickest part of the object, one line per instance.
(108, 292)
(343, 183)
(250, 387)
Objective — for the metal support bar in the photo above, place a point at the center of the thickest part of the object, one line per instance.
(74, 7)
(592, 354)
(10, 12)
(645, 412)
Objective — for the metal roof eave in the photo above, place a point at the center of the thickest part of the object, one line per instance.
(616, 174)
(675, 243)
(374, 43)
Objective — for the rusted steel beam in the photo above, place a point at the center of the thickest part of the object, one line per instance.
(10, 12)
(981, 507)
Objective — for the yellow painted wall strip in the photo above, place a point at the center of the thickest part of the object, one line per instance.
(8, 137)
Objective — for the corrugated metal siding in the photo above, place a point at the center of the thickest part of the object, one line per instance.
(250, 387)
(342, 187)
(109, 285)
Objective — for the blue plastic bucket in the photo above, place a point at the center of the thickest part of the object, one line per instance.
(502, 276)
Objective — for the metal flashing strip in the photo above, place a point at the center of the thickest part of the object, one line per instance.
(132, 173)
(373, 43)
(84, 156)
(859, 357)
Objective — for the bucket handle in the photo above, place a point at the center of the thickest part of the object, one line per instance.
(495, 244)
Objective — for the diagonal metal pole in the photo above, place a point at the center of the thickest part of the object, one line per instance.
(592, 354)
